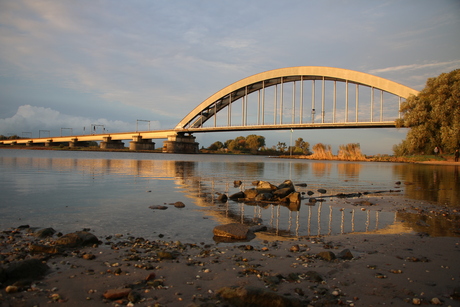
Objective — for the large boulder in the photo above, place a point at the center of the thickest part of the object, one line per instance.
(233, 230)
(251, 193)
(25, 269)
(76, 239)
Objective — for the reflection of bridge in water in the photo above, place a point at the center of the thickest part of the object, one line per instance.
(304, 97)
(305, 219)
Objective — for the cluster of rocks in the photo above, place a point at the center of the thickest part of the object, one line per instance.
(265, 191)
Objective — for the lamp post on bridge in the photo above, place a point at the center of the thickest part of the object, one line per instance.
(71, 130)
(29, 133)
(40, 133)
(142, 120)
(93, 128)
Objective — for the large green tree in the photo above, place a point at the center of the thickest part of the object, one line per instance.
(433, 117)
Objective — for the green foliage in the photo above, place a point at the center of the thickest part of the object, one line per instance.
(302, 147)
(281, 147)
(433, 117)
(216, 146)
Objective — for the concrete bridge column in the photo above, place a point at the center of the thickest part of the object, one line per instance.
(75, 143)
(180, 143)
(50, 143)
(108, 143)
(141, 144)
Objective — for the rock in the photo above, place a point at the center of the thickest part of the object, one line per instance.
(158, 207)
(294, 197)
(435, 301)
(26, 269)
(250, 193)
(37, 248)
(258, 228)
(237, 195)
(165, 255)
(287, 184)
(45, 233)
(328, 256)
(11, 289)
(310, 193)
(113, 294)
(232, 230)
(265, 185)
(294, 248)
(3, 276)
(222, 198)
(264, 196)
(237, 183)
(282, 193)
(151, 276)
(179, 204)
(78, 238)
(345, 254)
(89, 256)
(322, 191)
(314, 276)
(134, 297)
(251, 296)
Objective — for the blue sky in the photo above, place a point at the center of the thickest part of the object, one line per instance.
(77, 63)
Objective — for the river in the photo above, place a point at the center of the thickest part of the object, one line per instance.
(111, 192)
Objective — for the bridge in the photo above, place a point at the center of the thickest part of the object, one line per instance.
(303, 97)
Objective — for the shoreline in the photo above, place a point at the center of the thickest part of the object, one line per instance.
(368, 270)
(295, 157)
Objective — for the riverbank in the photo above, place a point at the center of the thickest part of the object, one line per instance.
(364, 270)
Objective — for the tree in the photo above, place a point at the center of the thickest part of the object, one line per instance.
(433, 117)
(216, 145)
(255, 142)
(302, 147)
(281, 147)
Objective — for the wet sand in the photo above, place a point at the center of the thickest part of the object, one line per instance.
(390, 267)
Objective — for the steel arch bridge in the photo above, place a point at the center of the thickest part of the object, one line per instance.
(274, 107)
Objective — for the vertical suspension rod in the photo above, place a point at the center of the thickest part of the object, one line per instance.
(313, 101)
(263, 102)
(346, 101)
(229, 114)
(357, 102)
(323, 89)
(372, 104)
(301, 100)
(275, 106)
(293, 103)
(281, 101)
(334, 107)
(381, 105)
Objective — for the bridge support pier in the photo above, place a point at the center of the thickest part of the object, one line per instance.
(75, 143)
(141, 144)
(180, 143)
(108, 143)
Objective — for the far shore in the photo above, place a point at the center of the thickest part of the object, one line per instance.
(429, 159)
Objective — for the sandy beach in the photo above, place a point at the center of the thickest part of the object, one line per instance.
(392, 267)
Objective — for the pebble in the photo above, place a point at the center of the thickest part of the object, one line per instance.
(11, 289)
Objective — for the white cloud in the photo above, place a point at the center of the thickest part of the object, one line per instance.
(33, 119)
(415, 67)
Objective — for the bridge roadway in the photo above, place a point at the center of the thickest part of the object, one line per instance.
(141, 140)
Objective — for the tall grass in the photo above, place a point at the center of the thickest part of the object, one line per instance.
(350, 152)
(321, 152)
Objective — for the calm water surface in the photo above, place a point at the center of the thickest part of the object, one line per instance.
(110, 193)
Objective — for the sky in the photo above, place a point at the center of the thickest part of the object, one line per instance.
(73, 64)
